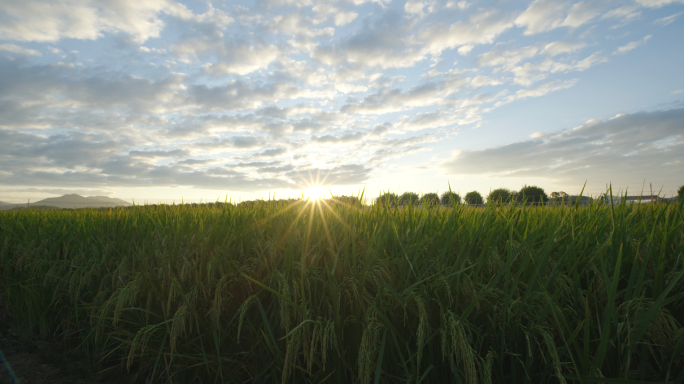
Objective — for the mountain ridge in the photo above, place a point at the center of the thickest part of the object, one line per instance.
(72, 201)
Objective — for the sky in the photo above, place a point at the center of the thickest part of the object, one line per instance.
(161, 101)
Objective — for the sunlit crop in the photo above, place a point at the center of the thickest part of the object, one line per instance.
(323, 291)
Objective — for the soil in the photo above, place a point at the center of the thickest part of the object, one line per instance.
(38, 361)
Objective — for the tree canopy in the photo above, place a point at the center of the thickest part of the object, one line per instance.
(408, 198)
(501, 195)
(532, 194)
(448, 197)
(388, 198)
(474, 197)
(430, 199)
(680, 192)
(559, 196)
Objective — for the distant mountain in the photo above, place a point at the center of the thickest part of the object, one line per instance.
(78, 201)
(71, 201)
(110, 200)
(7, 206)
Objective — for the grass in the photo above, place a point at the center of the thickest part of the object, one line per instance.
(314, 292)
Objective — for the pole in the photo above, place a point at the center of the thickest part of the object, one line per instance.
(651, 192)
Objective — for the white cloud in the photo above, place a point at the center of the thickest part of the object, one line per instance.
(344, 18)
(244, 60)
(506, 59)
(480, 28)
(465, 49)
(346, 138)
(350, 88)
(630, 46)
(626, 13)
(668, 19)
(451, 4)
(543, 89)
(658, 3)
(528, 73)
(440, 118)
(297, 24)
(19, 50)
(414, 7)
(545, 15)
(224, 56)
(561, 47)
(483, 81)
(36, 20)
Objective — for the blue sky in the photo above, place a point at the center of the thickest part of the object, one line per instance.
(161, 100)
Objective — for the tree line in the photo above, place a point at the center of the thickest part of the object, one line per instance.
(529, 193)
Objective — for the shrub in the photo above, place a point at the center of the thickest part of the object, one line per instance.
(501, 195)
(560, 196)
(449, 198)
(387, 198)
(409, 198)
(430, 199)
(532, 194)
(473, 197)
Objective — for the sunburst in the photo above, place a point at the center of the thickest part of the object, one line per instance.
(315, 192)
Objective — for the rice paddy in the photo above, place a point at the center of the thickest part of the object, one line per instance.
(323, 291)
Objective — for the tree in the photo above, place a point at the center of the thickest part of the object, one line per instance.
(532, 194)
(448, 197)
(501, 195)
(473, 197)
(409, 198)
(430, 199)
(680, 192)
(387, 198)
(560, 196)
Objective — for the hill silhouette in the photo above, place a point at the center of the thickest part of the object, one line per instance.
(73, 201)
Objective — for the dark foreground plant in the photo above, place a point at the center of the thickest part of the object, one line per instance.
(305, 292)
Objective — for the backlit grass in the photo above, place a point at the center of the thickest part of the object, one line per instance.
(311, 292)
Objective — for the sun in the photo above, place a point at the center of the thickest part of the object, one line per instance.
(315, 192)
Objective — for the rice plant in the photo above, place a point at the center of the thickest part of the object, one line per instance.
(334, 291)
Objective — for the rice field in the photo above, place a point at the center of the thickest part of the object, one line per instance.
(314, 292)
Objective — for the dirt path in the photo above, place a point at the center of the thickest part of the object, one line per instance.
(38, 361)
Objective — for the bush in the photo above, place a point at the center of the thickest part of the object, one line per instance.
(449, 197)
(680, 192)
(473, 197)
(409, 198)
(532, 194)
(387, 198)
(560, 197)
(501, 195)
(430, 199)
